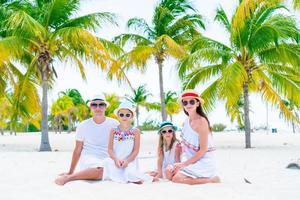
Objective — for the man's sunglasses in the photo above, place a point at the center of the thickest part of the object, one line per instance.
(166, 131)
(124, 115)
(191, 102)
(100, 105)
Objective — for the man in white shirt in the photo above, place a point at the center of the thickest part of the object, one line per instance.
(91, 144)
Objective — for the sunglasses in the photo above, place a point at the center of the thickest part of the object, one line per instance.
(166, 131)
(124, 115)
(100, 105)
(191, 102)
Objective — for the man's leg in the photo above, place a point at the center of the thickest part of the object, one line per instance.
(87, 174)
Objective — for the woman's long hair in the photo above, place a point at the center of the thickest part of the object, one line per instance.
(199, 111)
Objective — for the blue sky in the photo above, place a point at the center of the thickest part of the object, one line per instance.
(69, 77)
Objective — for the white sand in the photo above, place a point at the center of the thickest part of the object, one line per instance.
(28, 175)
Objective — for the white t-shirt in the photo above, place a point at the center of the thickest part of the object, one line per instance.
(95, 136)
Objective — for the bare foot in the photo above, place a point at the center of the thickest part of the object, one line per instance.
(155, 179)
(61, 180)
(215, 179)
(138, 182)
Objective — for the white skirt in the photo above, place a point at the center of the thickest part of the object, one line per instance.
(89, 161)
(123, 175)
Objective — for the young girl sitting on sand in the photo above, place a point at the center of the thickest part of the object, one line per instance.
(123, 148)
(169, 151)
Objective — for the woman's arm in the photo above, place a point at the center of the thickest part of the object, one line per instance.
(178, 152)
(135, 150)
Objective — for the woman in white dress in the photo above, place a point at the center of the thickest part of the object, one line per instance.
(123, 148)
(199, 166)
(169, 151)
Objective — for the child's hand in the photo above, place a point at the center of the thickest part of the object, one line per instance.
(124, 163)
(178, 166)
(118, 163)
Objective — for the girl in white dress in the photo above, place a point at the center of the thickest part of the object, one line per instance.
(123, 148)
(199, 165)
(169, 151)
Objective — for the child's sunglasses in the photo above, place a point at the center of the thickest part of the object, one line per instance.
(167, 131)
(124, 115)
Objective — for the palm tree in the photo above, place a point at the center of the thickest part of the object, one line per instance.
(45, 31)
(79, 107)
(114, 102)
(139, 99)
(294, 109)
(296, 4)
(172, 105)
(5, 108)
(60, 111)
(263, 57)
(174, 24)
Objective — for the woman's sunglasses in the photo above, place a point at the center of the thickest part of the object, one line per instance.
(100, 105)
(166, 131)
(124, 115)
(191, 102)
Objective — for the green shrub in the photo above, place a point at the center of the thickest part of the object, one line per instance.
(149, 125)
(218, 127)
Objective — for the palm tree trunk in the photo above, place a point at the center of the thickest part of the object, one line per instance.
(171, 118)
(2, 132)
(247, 118)
(137, 116)
(293, 125)
(45, 145)
(69, 122)
(161, 90)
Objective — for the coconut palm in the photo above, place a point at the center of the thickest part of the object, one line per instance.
(294, 109)
(80, 110)
(60, 111)
(296, 4)
(5, 108)
(139, 99)
(47, 31)
(174, 24)
(172, 105)
(114, 102)
(263, 57)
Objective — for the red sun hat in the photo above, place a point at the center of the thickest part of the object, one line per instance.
(190, 94)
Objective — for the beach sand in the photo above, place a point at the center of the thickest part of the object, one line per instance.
(29, 175)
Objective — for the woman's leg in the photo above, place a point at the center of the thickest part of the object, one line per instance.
(169, 172)
(184, 179)
(87, 174)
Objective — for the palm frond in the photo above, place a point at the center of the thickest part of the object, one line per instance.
(134, 39)
(283, 53)
(91, 21)
(170, 46)
(59, 11)
(83, 45)
(140, 24)
(201, 75)
(23, 25)
(210, 96)
(222, 18)
(271, 96)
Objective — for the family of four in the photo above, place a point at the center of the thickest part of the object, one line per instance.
(107, 149)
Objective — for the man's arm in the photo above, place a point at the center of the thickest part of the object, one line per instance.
(75, 156)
